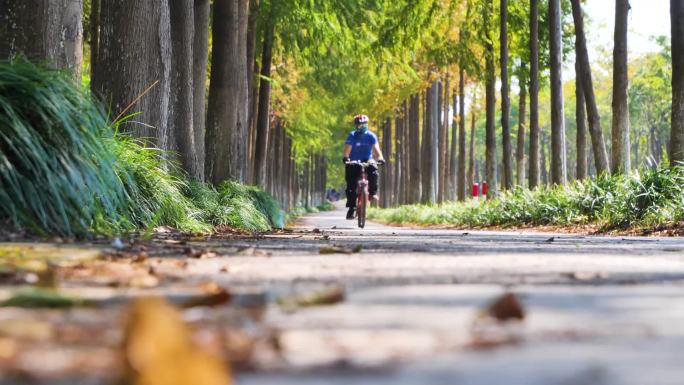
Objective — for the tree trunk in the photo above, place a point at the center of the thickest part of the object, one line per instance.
(414, 147)
(558, 154)
(386, 187)
(228, 110)
(264, 110)
(534, 95)
(490, 143)
(398, 159)
(405, 149)
(520, 149)
(94, 37)
(505, 101)
(134, 32)
(454, 153)
(677, 131)
(620, 149)
(544, 172)
(461, 183)
(598, 144)
(581, 117)
(200, 56)
(443, 143)
(252, 29)
(471, 159)
(44, 31)
(428, 145)
(181, 97)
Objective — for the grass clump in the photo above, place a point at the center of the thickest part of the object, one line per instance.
(641, 199)
(57, 175)
(64, 170)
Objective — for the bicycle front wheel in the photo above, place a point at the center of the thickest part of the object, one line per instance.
(361, 209)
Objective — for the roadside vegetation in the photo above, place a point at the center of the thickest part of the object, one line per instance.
(648, 198)
(65, 170)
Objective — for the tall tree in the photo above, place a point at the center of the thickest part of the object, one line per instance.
(620, 133)
(522, 111)
(428, 172)
(600, 154)
(507, 155)
(581, 118)
(43, 31)
(461, 182)
(263, 110)
(677, 132)
(227, 116)
(135, 32)
(471, 158)
(94, 36)
(558, 154)
(534, 95)
(200, 47)
(443, 142)
(181, 124)
(414, 147)
(490, 140)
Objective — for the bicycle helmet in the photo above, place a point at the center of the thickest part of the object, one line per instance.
(361, 123)
(360, 119)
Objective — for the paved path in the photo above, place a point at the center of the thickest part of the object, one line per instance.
(599, 310)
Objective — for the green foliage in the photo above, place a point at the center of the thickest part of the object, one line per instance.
(64, 171)
(57, 174)
(655, 196)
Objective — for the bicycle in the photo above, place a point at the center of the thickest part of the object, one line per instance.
(362, 190)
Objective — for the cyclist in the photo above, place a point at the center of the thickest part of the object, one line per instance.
(361, 145)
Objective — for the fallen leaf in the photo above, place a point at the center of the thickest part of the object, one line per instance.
(317, 231)
(506, 308)
(340, 250)
(144, 281)
(158, 349)
(26, 329)
(42, 298)
(326, 296)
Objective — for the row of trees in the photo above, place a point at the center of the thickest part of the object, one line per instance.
(262, 91)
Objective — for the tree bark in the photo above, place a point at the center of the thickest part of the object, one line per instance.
(620, 131)
(520, 149)
(443, 143)
(134, 66)
(398, 159)
(428, 145)
(252, 27)
(44, 31)
(461, 183)
(454, 153)
(227, 116)
(386, 173)
(200, 56)
(94, 37)
(534, 95)
(558, 152)
(505, 101)
(471, 159)
(264, 110)
(181, 125)
(595, 131)
(677, 130)
(490, 142)
(414, 147)
(581, 118)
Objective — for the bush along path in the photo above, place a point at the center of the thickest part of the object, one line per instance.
(645, 201)
(65, 170)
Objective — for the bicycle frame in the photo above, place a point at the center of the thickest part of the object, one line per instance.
(362, 192)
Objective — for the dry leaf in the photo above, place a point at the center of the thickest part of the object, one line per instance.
(327, 296)
(506, 308)
(158, 349)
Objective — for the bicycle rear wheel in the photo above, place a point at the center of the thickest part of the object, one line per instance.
(361, 209)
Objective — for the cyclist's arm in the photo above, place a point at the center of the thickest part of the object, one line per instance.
(347, 150)
(377, 153)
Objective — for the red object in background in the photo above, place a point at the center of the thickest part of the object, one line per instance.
(476, 190)
(484, 189)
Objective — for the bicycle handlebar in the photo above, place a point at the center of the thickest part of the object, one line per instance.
(364, 164)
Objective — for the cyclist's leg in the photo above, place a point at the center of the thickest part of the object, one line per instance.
(351, 174)
(372, 181)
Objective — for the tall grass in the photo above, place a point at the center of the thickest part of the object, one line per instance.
(57, 173)
(647, 198)
(64, 170)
